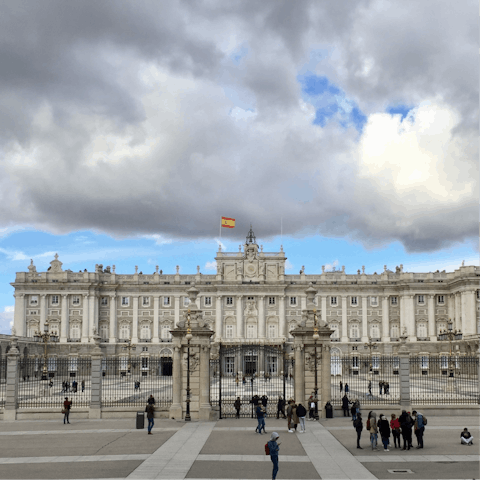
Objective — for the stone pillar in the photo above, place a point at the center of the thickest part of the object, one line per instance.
(401, 307)
(95, 410)
(113, 319)
(156, 301)
(85, 318)
(410, 317)
(261, 317)
(282, 333)
(19, 319)
(450, 307)
(457, 324)
(431, 318)
(324, 311)
(175, 411)
(176, 311)
(344, 337)
(43, 311)
(299, 374)
(326, 379)
(135, 320)
(11, 396)
(385, 319)
(470, 313)
(364, 319)
(64, 322)
(205, 409)
(404, 373)
(240, 325)
(218, 319)
(91, 315)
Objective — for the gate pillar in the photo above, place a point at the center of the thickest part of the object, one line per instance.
(312, 355)
(191, 363)
(11, 400)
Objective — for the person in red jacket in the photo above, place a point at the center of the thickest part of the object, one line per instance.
(67, 404)
(395, 426)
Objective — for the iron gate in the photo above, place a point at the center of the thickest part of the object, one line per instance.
(250, 373)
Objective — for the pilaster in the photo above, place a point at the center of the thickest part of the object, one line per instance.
(64, 321)
(261, 316)
(385, 319)
(156, 302)
(364, 319)
(344, 337)
(431, 318)
(85, 309)
(240, 325)
(218, 319)
(113, 319)
(135, 320)
(19, 319)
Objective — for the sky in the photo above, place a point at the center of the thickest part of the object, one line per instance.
(346, 131)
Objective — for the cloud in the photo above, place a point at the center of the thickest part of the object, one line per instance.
(6, 320)
(148, 120)
(288, 265)
(211, 266)
(330, 266)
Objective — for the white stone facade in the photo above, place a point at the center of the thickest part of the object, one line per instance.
(249, 299)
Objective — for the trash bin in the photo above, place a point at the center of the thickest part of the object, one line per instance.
(140, 420)
(329, 410)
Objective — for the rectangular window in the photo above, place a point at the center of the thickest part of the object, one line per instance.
(75, 300)
(229, 365)
(125, 301)
(272, 331)
(354, 301)
(424, 362)
(354, 362)
(54, 299)
(104, 301)
(441, 298)
(272, 365)
(293, 300)
(354, 331)
(146, 301)
(54, 281)
(34, 300)
(421, 298)
(394, 300)
(271, 300)
(444, 362)
(166, 335)
(334, 327)
(251, 331)
(229, 300)
(374, 301)
(333, 300)
(208, 301)
(144, 363)
(166, 301)
(229, 331)
(375, 362)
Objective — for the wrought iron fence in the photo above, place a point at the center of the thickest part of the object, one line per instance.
(368, 379)
(3, 381)
(250, 373)
(40, 387)
(444, 380)
(130, 382)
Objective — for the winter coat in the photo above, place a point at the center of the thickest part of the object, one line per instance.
(150, 410)
(384, 427)
(301, 412)
(295, 419)
(373, 423)
(345, 402)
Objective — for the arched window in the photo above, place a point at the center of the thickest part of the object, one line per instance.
(124, 332)
(145, 332)
(104, 331)
(335, 362)
(229, 331)
(374, 331)
(272, 331)
(421, 330)
(251, 331)
(354, 331)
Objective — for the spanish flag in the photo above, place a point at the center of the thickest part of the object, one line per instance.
(228, 222)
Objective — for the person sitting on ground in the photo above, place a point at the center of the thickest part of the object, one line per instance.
(466, 437)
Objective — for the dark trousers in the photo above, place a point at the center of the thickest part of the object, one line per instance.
(359, 434)
(66, 416)
(150, 424)
(275, 466)
(407, 438)
(419, 435)
(396, 437)
(237, 415)
(346, 413)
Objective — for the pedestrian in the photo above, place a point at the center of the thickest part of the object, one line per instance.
(281, 407)
(236, 381)
(311, 413)
(419, 427)
(260, 411)
(384, 429)
(264, 403)
(358, 425)
(347, 389)
(466, 437)
(373, 429)
(75, 386)
(289, 415)
(295, 419)
(345, 403)
(395, 426)
(380, 386)
(341, 387)
(151, 400)
(406, 424)
(273, 447)
(353, 411)
(150, 409)
(370, 387)
(301, 414)
(237, 405)
(386, 388)
(243, 380)
(83, 385)
(67, 405)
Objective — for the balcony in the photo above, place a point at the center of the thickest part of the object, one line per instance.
(145, 340)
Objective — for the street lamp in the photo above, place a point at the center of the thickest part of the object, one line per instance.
(45, 337)
(129, 347)
(316, 336)
(371, 346)
(188, 336)
(450, 335)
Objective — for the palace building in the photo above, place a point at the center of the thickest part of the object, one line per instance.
(250, 300)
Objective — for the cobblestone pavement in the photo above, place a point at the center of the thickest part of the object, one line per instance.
(227, 449)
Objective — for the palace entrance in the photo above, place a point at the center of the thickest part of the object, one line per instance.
(251, 373)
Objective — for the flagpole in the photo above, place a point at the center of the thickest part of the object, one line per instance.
(281, 230)
(220, 228)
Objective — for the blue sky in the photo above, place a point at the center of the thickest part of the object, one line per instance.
(125, 145)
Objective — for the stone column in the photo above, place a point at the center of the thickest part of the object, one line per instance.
(401, 307)
(64, 322)
(450, 307)
(205, 409)
(385, 319)
(470, 313)
(344, 337)
(91, 314)
(218, 319)
(85, 304)
(261, 317)
(364, 319)
(19, 319)
(240, 325)
(458, 313)
(410, 317)
(325, 384)
(431, 318)
(135, 320)
(11, 394)
(175, 411)
(283, 319)
(43, 311)
(177, 311)
(299, 374)
(324, 310)
(95, 410)
(156, 300)
(113, 319)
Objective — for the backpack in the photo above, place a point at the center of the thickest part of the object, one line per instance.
(368, 424)
(424, 419)
(267, 450)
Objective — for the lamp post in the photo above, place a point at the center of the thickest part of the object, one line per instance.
(450, 335)
(371, 346)
(45, 337)
(188, 336)
(129, 347)
(316, 336)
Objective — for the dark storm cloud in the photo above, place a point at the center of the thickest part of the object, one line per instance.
(113, 117)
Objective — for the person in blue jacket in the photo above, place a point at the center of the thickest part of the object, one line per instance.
(274, 448)
(260, 411)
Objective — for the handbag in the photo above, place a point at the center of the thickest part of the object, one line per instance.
(64, 411)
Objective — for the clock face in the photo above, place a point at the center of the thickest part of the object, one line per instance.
(250, 269)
